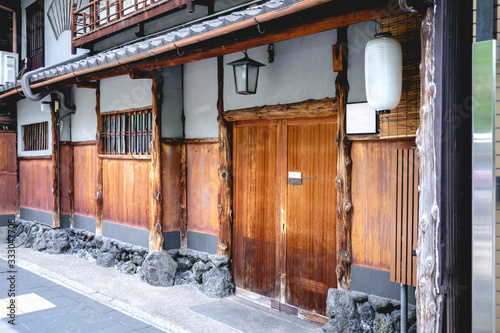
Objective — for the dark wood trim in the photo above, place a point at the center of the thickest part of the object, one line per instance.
(343, 179)
(201, 141)
(375, 137)
(7, 131)
(306, 109)
(177, 141)
(88, 84)
(41, 157)
(156, 218)
(84, 143)
(224, 172)
(125, 157)
(56, 209)
(126, 111)
(99, 191)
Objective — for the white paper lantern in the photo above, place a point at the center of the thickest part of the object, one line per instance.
(383, 72)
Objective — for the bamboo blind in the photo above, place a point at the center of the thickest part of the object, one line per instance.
(403, 121)
(35, 136)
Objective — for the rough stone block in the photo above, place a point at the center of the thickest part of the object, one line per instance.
(105, 259)
(158, 269)
(217, 283)
(343, 312)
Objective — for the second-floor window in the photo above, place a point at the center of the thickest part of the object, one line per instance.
(127, 132)
(34, 35)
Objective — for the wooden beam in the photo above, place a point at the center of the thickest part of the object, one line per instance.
(56, 212)
(89, 84)
(156, 218)
(306, 109)
(224, 172)
(429, 314)
(343, 179)
(99, 191)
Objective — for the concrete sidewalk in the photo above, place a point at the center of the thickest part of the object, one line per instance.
(171, 309)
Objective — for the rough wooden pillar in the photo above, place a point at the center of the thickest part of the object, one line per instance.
(343, 179)
(183, 195)
(99, 199)
(429, 301)
(224, 195)
(56, 212)
(156, 235)
(71, 190)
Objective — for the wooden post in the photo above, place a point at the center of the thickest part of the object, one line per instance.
(56, 216)
(156, 218)
(429, 301)
(343, 179)
(224, 195)
(99, 199)
(183, 195)
(71, 190)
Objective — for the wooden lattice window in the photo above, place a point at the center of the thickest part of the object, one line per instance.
(127, 132)
(35, 35)
(35, 136)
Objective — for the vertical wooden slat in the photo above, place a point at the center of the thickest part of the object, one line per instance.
(409, 232)
(399, 215)
(282, 209)
(394, 178)
(183, 195)
(415, 218)
(71, 190)
(404, 226)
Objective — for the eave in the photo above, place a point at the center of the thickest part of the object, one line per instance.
(296, 20)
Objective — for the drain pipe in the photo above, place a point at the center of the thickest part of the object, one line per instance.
(404, 308)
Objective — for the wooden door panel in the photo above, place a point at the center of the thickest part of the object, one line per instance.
(310, 225)
(255, 227)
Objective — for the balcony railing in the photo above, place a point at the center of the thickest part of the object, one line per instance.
(100, 18)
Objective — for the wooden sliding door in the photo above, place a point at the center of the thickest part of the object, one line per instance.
(285, 199)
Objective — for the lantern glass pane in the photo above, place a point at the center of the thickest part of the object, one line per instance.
(240, 78)
(253, 74)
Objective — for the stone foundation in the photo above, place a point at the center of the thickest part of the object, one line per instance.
(209, 273)
(356, 312)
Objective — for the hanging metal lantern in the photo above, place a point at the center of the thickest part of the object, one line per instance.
(246, 74)
(383, 72)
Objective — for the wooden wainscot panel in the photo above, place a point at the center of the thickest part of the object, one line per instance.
(171, 179)
(66, 155)
(202, 187)
(35, 182)
(85, 178)
(126, 192)
(373, 196)
(8, 173)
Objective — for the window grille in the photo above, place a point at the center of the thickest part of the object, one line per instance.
(35, 136)
(34, 35)
(127, 132)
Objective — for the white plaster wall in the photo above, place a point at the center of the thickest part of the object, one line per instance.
(302, 69)
(84, 121)
(171, 119)
(56, 51)
(123, 93)
(200, 99)
(29, 112)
